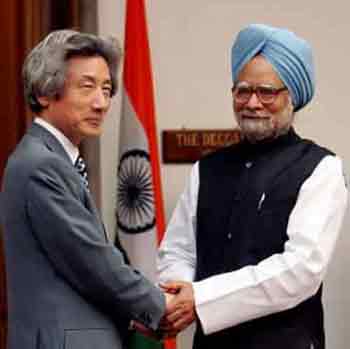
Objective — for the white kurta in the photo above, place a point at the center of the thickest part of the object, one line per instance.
(277, 283)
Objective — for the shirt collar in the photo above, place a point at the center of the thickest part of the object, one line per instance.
(68, 146)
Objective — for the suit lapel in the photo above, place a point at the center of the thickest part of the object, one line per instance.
(55, 146)
(90, 203)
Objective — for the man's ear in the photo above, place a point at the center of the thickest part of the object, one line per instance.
(44, 101)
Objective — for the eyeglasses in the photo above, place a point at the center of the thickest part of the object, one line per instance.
(267, 94)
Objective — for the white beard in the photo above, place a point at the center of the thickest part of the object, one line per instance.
(268, 127)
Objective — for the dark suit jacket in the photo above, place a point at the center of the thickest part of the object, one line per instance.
(68, 286)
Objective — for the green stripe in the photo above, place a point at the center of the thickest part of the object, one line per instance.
(138, 341)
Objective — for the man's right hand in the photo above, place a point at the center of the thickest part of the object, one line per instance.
(180, 310)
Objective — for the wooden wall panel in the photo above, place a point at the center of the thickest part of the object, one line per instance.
(10, 86)
(12, 118)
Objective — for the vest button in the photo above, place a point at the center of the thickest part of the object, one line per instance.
(229, 236)
(248, 164)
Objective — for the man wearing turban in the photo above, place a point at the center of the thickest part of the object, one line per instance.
(253, 233)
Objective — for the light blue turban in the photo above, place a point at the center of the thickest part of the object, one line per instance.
(290, 56)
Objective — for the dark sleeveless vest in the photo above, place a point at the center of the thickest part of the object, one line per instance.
(236, 227)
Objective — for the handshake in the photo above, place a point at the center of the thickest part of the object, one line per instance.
(180, 311)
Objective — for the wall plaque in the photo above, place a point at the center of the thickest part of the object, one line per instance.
(187, 146)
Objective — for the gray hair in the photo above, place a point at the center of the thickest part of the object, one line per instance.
(44, 70)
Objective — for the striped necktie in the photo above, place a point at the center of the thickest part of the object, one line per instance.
(82, 169)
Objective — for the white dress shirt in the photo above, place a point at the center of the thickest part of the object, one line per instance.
(278, 282)
(69, 147)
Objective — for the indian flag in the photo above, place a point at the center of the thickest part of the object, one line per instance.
(140, 214)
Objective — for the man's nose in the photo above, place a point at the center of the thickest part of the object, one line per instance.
(254, 102)
(101, 101)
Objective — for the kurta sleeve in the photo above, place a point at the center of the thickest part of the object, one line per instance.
(177, 253)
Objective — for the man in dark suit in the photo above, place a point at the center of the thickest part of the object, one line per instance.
(68, 286)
